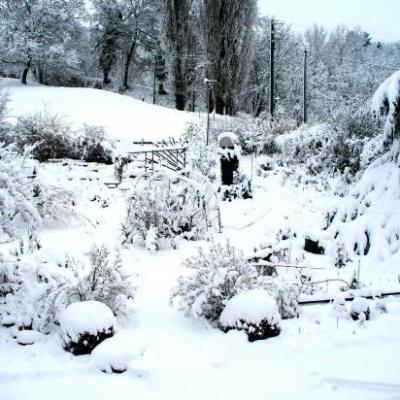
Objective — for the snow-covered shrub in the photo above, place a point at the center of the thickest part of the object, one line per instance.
(264, 164)
(48, 134)
(54, 203)
(102, 280)
(93, 146)
(114, 355)
(6, 137)
(359, 309)
(215, 277)
(167, 206)
(84, 325)
(201, 158)
(254, 313)
(341, 256)
(17, 208)
(255, 134)
(339, 309)
(286, 294)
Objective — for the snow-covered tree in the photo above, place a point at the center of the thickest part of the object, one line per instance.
(34, 33)
(386, 104)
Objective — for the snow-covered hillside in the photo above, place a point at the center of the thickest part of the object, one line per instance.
(123, 117)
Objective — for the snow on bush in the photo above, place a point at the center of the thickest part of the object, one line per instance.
(255, 134)
(102, 280)
(36, 288)
(359, 309)
(49, 133)
(116, 353)
(93, 146)
(168, 206)
(84, 325)
(17, 208)
(201, 158)
(254, 312)
(339, 309)
(214, 277)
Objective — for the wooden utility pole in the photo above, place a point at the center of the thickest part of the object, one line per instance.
(305, 116)
(272, 70)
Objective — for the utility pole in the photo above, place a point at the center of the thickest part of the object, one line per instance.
(305, 117)
(154, 79)
(208, 112)
(272, 70)
(208, 82)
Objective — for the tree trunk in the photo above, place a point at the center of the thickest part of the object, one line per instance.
(106, 79)
(25, 74)
(128, 60)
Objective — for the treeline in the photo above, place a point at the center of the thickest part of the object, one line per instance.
(190, 54)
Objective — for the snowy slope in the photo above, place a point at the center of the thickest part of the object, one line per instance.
(123, 117)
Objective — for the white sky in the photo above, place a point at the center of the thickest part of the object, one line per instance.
(380, 18)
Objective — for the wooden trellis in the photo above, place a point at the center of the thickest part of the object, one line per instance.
(173, 158)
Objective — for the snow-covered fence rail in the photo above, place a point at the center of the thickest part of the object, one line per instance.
(326, 299)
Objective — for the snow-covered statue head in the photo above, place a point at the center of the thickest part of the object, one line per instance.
(229, 152)
(227, 140)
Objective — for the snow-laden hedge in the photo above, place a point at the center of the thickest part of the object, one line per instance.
(168, 206)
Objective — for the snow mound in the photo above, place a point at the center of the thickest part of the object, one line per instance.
(27, 337)
(86, 317)
(251, 307)
(359, 305)
(115, 354)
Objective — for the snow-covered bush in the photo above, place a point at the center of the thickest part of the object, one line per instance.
(254, 313)
(359, 309)
(167, 206)
(48, 134)
(264, 164)
(17, 208)
(114, 355)
(215, 277)
(36, 287)
(92, 145)
(286, 293)
(339, 309)
(201, 158)
(54, 203)
(102, 280)
(84, 325)
(255, 134)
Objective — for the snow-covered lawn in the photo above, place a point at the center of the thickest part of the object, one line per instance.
(123, 117)
(315, 357)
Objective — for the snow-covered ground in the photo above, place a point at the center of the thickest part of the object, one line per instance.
(123, 117)
(316, 356)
